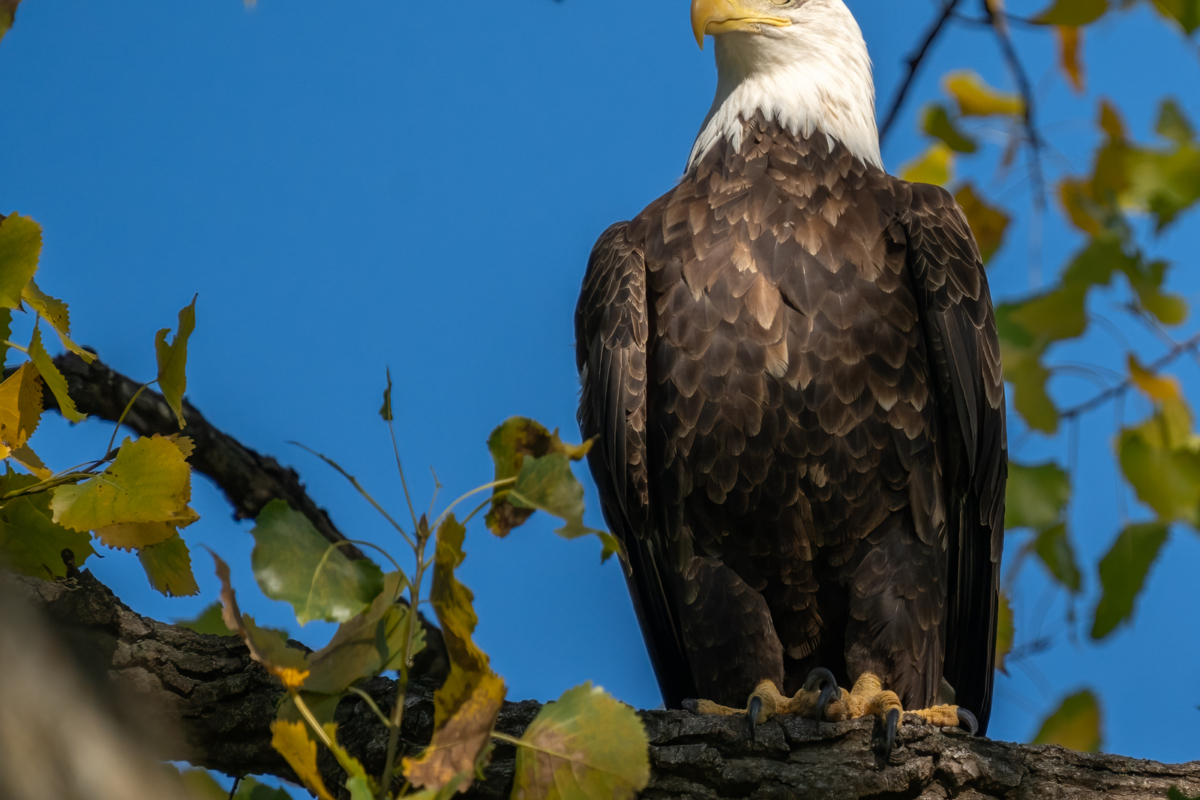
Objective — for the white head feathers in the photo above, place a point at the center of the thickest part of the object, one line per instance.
(814, 75)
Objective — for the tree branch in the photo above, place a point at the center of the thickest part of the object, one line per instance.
(999, 20)
(248, 480)
(915, 60)
(224, 703)
(1189, 346)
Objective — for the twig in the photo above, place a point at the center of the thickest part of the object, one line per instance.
(999, 22)
(1100, 399)
(914, 64)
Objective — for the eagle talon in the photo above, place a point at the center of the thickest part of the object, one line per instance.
(817, 677)
(691, 705)
(828, 692)
(893, 723)
(753, 712)
(967, 720)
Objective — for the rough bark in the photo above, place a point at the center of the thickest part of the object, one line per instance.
(223, 704)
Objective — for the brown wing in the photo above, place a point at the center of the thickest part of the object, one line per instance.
(611, 331)
(964, 354)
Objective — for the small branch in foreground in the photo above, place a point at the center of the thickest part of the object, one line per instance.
(1189, 346)
(914, 65)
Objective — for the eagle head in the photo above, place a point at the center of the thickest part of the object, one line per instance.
(801, 63)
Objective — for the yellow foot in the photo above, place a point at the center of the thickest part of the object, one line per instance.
(765, 702)
(868, 697)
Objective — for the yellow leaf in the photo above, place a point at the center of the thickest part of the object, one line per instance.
(53, 378)
(172, 360)
(20, 408)
(1004, 632)
(28, 459)
(291, 740)
(54, 312)
(458, 744)
(1070, 45)
(168, 565)
(20, 249)
(976, 99)
(149, 481)
(935, 165)
(132, 535)
(987, 222)
(1075, 725)
(1156, 387)
(354, 768)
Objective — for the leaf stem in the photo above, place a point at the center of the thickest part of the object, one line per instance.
(472, 493)
(414, 619)
(46, 485)
(125, 413)
(371, 705)
(311, 720)
(400, 468)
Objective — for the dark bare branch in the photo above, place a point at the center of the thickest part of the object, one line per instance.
(915, 60)
(1033, 138)
(224, 703)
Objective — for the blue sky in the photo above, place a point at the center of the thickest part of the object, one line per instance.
(356, 186)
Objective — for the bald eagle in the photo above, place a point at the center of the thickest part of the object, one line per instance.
(790, 366)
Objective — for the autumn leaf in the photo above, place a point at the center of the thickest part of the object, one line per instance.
(290, 740)
(976, 99)
(55, 313)
(1161, 460)
(209, 621)
(1185, 12)
(355, 771)
(937, 123)
(585, 745)
(509, 444)
(935, 165)
(149, 481)
(20, 249)
(385, 410)
(20, 408)
(454, 605)
(1073, 13)
(30, 542)
(132, 535)
(295, 563)
(1053, 547)
(1036, 496)
(461, 740)
(1123, 573)
(1070, 55)
(1005, 632)
(1156, 387)
(53, 378)
(1075, 725)
(172, 360)
(168, 565)
(987, 222)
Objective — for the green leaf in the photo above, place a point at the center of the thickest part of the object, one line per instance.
(548, 484)
(56, 314)
(935, 166)
(169, 567)
(1162, 462)
(1185, 12)
(172, 360)
(30, 542)
(1075, 725)
(1028, 378)
(1053, 547)
(987, 222)
(353, 767)
(1123, 573)
(461, 743)
(1174, 793)
(385, 410)
(149, 481)
(454, 605)
(1037, 495)
(1073, 13)
(20, 249)
(937, 123)
(1055, 315)
(53, 378)
(5, 334)
(1173, 125)
(509, 444)
(294, 563)
(208, 621)
(1005, 632)
(585, 746)
(366, 645)
(976, 99)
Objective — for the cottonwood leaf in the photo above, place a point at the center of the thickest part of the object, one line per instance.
(149, 481)
(268, 647)
(1030, 398)
(367, 645)
(1161, 460)
(585, 745)
(1156, 387)
(1184, 12)
(5, 333)
(1036, 495)
(20, 408)
(935, 165)
(1076, 724)
(976, 99)
(937, 123)
(1053, 547)
(548, 484)
(353, 767)
(1070, 55)
(172, 360)
(8, 12)
(1073, 13)
(168, 565)
(1172, 124)
(1005, 632)
(20, 249)
(53, 378)
(462, 740)
(133, 535)
(294, 563)
(1055, 315)
(290, 740)
(509, 444)
(454, 605)
(1123, 573)
(385, 410)
(209, 621)
(987, 222)
(55, 313)
(30, 542)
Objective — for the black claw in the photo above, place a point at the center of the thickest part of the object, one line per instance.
(827, 695)
(893, 722)
(967, 720)
(817, 677)
(755, 707)
(690, 705)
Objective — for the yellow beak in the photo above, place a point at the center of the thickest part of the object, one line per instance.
(714, 17)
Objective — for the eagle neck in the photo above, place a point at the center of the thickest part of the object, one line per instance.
(826, 88)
